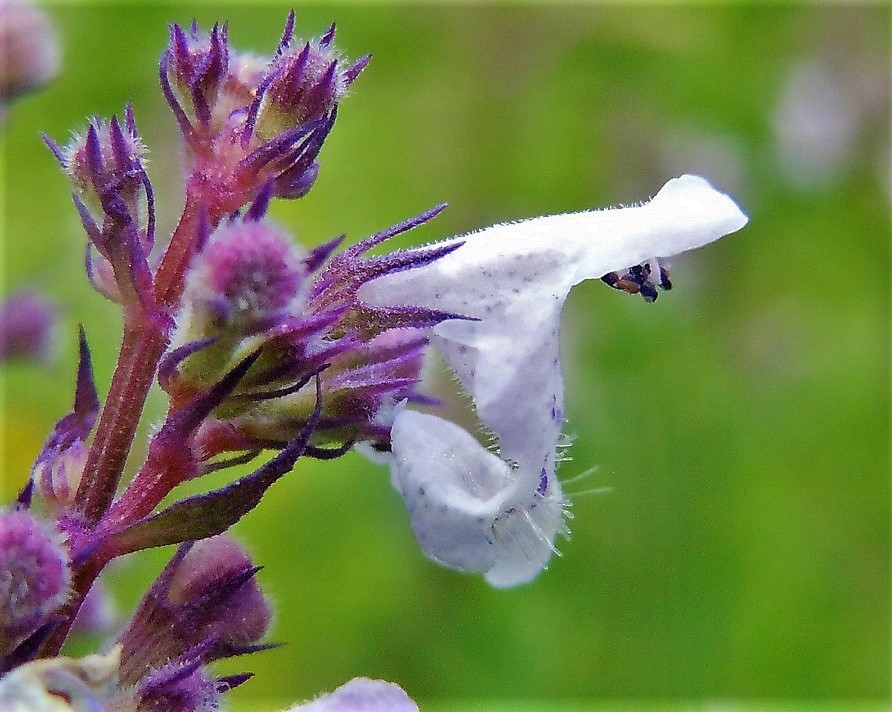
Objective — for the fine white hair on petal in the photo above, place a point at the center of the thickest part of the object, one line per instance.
(469, 509)
(361, 695)
(513, 280)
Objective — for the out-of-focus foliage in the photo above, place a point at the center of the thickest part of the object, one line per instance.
(741, 422)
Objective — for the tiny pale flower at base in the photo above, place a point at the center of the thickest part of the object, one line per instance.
(512, 280)
(361, 695)
(62, 685)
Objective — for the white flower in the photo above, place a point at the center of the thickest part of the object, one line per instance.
(499, 516)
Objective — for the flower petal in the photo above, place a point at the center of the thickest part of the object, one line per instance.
(361, 695)
(466, 506)
(513, 279)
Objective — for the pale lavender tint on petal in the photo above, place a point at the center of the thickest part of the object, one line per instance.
(465, 504)
(361, 695)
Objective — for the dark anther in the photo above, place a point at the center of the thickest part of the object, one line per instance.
(643, 279)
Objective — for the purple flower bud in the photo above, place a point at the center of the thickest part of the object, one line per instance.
(204, 606)
(27, 326)
(209, 569)
(245, 277)
(34, 574)
(30, 55)
(59, 467)
(194, 70)
(105, 163)
(252, 125)
(304, 83)
(116, 205)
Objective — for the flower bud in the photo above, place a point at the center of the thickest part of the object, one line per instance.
(34, 574)
(57, 477)
(30, 55)
(248, 279)
(204, 606)
(305, 83)
(116, 205)
(245, 277)
(27, 326)
(105, 163)
(242, 614)
(194, 70)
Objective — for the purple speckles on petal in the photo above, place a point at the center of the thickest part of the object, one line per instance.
(543, 482)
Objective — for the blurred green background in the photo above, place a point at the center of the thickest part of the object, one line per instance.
(741, 422)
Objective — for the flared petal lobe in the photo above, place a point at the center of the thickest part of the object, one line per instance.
(465, 503)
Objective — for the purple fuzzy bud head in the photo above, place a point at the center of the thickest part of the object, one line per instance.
(30, 50)
(249, 279)
(34, 575)
(27, 327)
(247, 275)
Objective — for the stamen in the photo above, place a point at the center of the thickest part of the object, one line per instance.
(641, 279)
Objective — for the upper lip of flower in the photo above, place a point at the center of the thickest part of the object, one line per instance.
(513, 279)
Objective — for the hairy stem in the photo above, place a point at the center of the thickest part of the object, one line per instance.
(145, 340)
